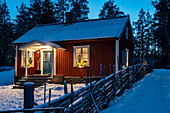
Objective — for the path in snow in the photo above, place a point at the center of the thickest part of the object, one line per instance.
(149, 95)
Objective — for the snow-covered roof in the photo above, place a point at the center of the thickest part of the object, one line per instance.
(91, 29)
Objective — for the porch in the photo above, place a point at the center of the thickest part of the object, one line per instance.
(38, 58)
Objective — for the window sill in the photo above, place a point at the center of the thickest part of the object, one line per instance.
(81, 66)
(27, 67)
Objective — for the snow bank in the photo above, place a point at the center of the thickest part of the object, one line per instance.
(6, 77)
(6, 68)
(13, 98)
(149, 95)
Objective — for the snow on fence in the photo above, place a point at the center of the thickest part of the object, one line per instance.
(97, 95)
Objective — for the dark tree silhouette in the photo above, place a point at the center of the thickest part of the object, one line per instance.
(61, 7)
(35, 10)
(162, 32)
(6, 36)
(110, 10)
(48, 12)
(23, 20)
(80, 9)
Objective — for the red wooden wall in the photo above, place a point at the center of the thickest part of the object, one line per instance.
(101, 52)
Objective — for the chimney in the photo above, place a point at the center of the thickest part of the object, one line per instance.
(70, 17)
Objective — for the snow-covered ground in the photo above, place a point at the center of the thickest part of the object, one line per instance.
(6, 77)
(149, 95)
(13, 98)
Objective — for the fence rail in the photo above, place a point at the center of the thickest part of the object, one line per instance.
(56, 109)
(97, 95)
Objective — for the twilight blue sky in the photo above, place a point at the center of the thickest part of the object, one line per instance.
(131, 7)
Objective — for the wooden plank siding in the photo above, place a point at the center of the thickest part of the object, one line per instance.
(126, 43)
(101, 52)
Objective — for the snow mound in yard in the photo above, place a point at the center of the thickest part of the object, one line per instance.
(149, 95)
(6, 77)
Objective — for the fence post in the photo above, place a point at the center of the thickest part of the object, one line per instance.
(49, 98)
(87, 75)
(65, 87)
(28, 95)
(113, 81)
(110, 69)
(104, 84)
(101, 70)
(128, 78)
(90, 77)
(121, 79)
(134, 73)
(71, 99)
(45, 90)
(113, 77)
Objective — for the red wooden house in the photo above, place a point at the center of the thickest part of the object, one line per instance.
(68, 49)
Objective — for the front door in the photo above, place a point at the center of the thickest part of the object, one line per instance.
(47, 62)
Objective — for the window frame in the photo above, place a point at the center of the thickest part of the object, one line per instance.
(74, 54)
(22, 60)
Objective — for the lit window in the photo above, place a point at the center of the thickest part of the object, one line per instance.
(125, 58)
(30, 60)
(81, 56)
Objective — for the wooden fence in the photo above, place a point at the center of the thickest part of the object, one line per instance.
(97, 95)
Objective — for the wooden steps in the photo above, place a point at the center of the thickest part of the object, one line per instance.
(38, 80)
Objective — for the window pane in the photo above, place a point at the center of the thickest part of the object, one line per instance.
(30, 58)
(78, 58)
(78, 50)
(85, 50)
(45, 56)
(85, 56)
(23, 58)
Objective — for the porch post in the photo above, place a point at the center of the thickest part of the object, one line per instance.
(16, 59)
(52, 69)
(26, 67)
(54, 61)
(117, 55)
(41, 64)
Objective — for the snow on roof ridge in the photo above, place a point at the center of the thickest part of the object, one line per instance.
(78, 21)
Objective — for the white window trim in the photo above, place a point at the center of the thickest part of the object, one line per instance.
(27, 59)
(22, 52)
(74, 54)
(127, 57)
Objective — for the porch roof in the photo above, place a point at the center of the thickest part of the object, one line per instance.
(37, 44)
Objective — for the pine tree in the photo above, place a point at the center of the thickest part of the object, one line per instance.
(48, 12)
(162, 32)
(139, 35)
(80, 9)
(110, 10)
(6, 37)
(35, 10)
(61, 7)
(23, 20)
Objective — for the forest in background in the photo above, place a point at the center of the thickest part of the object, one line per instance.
(151, 32)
